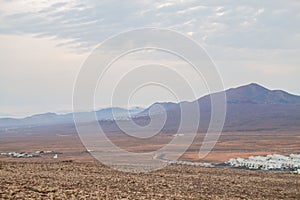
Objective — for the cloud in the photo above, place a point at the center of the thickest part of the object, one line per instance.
(45, 42)
(239, 24)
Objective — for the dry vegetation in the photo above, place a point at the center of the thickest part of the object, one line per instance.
(71, 180)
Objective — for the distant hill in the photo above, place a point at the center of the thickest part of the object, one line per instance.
(249, 108)
(256, 94)
(52, 118)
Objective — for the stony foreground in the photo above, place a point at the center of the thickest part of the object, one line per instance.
(68, 180)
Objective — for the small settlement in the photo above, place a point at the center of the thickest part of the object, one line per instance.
(199, 164)
(27, 154)
(269, 162)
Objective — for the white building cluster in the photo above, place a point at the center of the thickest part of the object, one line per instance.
(199, 164)
(20, 155)
(25, 154)
(181, 162)
(269, 162)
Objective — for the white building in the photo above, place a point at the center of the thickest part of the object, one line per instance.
(270, 162)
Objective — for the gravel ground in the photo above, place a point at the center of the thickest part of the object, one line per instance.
(70, 180)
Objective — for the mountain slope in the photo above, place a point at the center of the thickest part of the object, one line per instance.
(256, 94)
(52, 118)
(249, 108)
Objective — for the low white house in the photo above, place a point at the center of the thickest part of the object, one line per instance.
(270, 162)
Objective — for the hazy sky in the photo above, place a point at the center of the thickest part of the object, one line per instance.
(44, 43)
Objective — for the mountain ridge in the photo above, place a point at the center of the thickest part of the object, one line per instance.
(255, 93)
(250, 106)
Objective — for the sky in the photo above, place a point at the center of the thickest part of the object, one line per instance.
(43, 45)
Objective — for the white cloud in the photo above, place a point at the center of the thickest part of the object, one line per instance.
(191, 33)
(163, 5)
(256, 24)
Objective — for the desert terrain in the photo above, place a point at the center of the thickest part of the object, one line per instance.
(69, 180)
(75, 174)
(64, 140)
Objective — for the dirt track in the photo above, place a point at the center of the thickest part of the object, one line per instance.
(95, 181)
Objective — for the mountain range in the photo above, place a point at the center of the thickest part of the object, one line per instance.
(53, 118)
(249, 108)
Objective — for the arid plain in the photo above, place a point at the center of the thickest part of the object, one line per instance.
(65, 140)
(75, 174)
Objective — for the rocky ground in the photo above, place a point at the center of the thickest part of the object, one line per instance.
(70, 180)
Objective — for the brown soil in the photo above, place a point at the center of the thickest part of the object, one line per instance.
(230, 144)
(69, 180)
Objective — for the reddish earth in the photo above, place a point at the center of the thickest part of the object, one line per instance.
(229, 145)
(84, 178)
(69, 180)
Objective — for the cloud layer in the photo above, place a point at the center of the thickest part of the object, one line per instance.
(43, 43)
(238, 24)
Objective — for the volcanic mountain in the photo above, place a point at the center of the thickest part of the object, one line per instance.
(249, 108)
(256, 94)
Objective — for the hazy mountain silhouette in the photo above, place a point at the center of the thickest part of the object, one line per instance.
(249, 108)
(256, 94)
(52, 118)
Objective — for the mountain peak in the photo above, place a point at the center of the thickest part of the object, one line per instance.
(254, 93)
(254, 87)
